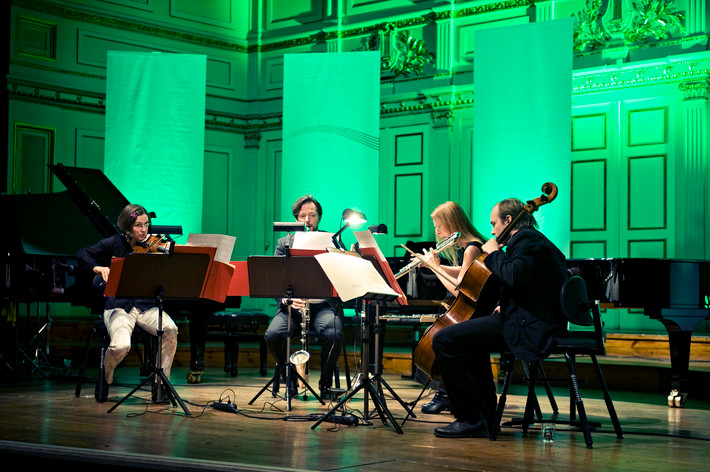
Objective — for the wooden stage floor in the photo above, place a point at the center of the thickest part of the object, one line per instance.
(43, 423)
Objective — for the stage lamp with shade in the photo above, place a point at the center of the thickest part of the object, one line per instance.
(289, 226)
(351, 218)
(378, 229)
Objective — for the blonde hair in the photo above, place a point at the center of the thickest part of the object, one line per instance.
(451, 215)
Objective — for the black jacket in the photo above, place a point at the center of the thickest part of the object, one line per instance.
(531, 271)
(100, 254)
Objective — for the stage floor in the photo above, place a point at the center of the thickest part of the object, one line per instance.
(42, 422)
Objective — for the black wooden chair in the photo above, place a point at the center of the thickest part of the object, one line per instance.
(580, 312)
(139, 337)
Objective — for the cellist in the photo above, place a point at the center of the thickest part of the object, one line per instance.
(531, 272)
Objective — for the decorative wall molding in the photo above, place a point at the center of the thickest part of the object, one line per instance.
(442, 118)
(252, 139)
(83, 100)
(174, 33)
(36, 38)
(676, 70)
(250, 45)
(695, 89)
(56, 96)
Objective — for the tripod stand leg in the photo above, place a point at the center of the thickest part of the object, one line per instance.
(344, 400)
(135, 389)
(277, 375)
(410, 411)
(172, 394)
(305, 383)
(166, 383)
(415, 402)
(380, 405)
(382, 408)
(291, 370)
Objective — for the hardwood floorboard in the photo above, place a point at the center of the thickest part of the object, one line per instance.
(43, 423)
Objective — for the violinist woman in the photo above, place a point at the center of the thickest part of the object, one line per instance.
(122, 315)
(449, 218)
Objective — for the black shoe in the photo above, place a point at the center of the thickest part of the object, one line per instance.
(101, 391)
(463, 429)
(439, 403)
(292, 386)
(330, 394)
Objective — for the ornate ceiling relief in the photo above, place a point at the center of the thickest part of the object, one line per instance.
(614, 23)
(401, 53)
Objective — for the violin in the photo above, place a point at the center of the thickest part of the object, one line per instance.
(477, 292)
(154, 243)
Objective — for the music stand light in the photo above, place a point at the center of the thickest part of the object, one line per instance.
(289, 226)
(165, 229)
(351, 218)
(378, 229)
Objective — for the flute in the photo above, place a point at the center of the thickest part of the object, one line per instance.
(443, 244)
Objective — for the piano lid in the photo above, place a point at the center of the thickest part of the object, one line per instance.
(47, 224)
(59, 224)
(94, 194)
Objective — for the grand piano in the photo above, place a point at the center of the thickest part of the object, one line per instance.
(672, 291)
(39, 255)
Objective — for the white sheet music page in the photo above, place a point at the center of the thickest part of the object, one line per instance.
(223, 243)
(353, 276)
(367, 240)
(312, 240)
(368, 245)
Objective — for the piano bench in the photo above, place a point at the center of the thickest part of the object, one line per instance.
(233, 327)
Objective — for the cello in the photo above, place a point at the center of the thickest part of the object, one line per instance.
(477, 291)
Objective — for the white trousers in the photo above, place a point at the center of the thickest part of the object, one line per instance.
(120, 325)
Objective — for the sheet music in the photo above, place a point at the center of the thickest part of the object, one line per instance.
(368, 246)
(313, 240)
(223, 243)
(352, 276)
(367, 240)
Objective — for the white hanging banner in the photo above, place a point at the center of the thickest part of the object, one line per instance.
(155, 133)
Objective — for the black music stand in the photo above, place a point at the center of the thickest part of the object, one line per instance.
(287, 277)
(373, 381)
(161, 277)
